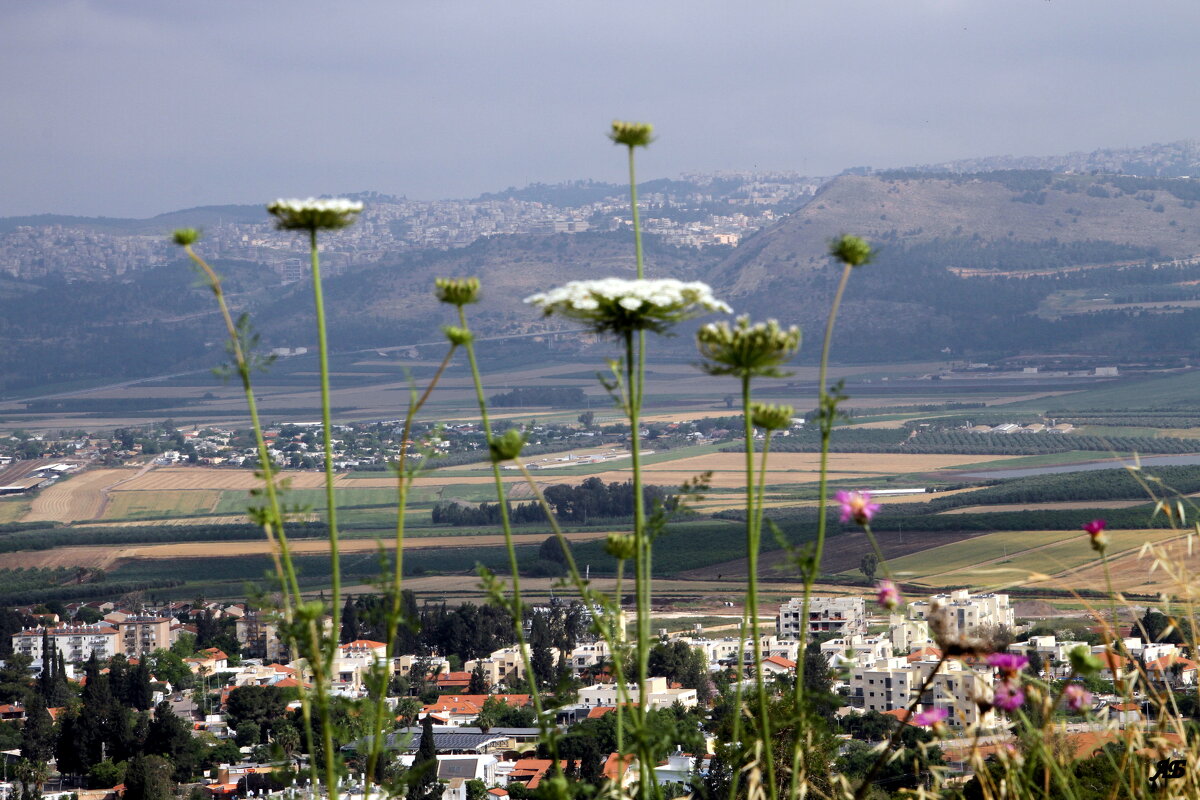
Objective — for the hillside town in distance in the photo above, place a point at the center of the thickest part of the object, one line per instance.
(106, 693)
(695, 211)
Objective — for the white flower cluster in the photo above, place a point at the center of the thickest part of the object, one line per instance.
(619, 305)
(314, 214)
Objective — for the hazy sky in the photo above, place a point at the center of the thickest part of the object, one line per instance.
(128, 108)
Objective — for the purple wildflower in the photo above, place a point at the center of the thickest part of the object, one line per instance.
(857, 506)
(1007, 663)
(1008, 695)
(1095, 529)
(1077, 697)
(930, 718)
(888, 595)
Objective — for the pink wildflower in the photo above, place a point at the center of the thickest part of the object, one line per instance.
(1077, 697)
(930, 718)
(1095, 529)
(888, 596)
(1008, 695)
(1008, 663)
(857, 506)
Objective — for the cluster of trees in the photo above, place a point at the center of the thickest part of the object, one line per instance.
(463, 633)
(554, 396)
(578, 505)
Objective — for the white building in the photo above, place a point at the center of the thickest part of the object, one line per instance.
(76, 643)
(856, 651)
(891, 684)
(658, 694)
(967, 613)
(844, 615)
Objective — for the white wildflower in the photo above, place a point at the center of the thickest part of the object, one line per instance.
(313, 214)
(617, 305)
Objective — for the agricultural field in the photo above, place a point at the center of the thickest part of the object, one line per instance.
(135, 504)
(1016, 558)
(78, 497)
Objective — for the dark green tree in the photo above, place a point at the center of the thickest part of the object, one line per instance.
(170, 737)
(424, 784)
(349, 631)
(478, 684)
(148, 778)
(38, 736)
(868, 565)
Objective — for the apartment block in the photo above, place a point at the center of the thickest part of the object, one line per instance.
(76, 643)
(142, 635)
(967, 613)
(842, 615)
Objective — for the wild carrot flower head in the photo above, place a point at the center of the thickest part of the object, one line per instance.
(771, 418)
(930, 718)
(631, 134)
(457, 291)
(1009, 664)
(851, 250)
(617, 305)
(888, 595)
(1008, 695)
(747, 350)
(1077, 697)
(1095, 529)
(857, 506)
(313, 214)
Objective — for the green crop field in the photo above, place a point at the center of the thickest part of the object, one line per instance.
(150, 504)
(1008, 558)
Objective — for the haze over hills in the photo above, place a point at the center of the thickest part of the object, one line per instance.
(974, 265)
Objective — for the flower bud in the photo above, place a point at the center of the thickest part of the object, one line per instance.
(457, 291)
(507, 446)
(620, 546)
(771, 418)
(185, 236)
(632, 134)
(1083, 662)
(851, 250)
(458, 337)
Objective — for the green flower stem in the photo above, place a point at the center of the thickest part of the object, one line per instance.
(634, 377)
(737, 700)
(273, 525)
(273, 519)
(331, 503)
(633, 203)
(588, 596)
(518, 605)
(753, 544)
(404, 481)
(327, 425)
(826, 411)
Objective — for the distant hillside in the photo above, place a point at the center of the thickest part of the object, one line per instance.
(987, 265)
(158, 225)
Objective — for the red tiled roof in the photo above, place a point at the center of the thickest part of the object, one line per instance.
(780, 661)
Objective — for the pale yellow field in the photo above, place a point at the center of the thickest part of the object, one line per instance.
(80, 497)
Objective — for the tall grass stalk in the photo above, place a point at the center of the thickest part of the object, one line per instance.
(405, 476)
(516, 605)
